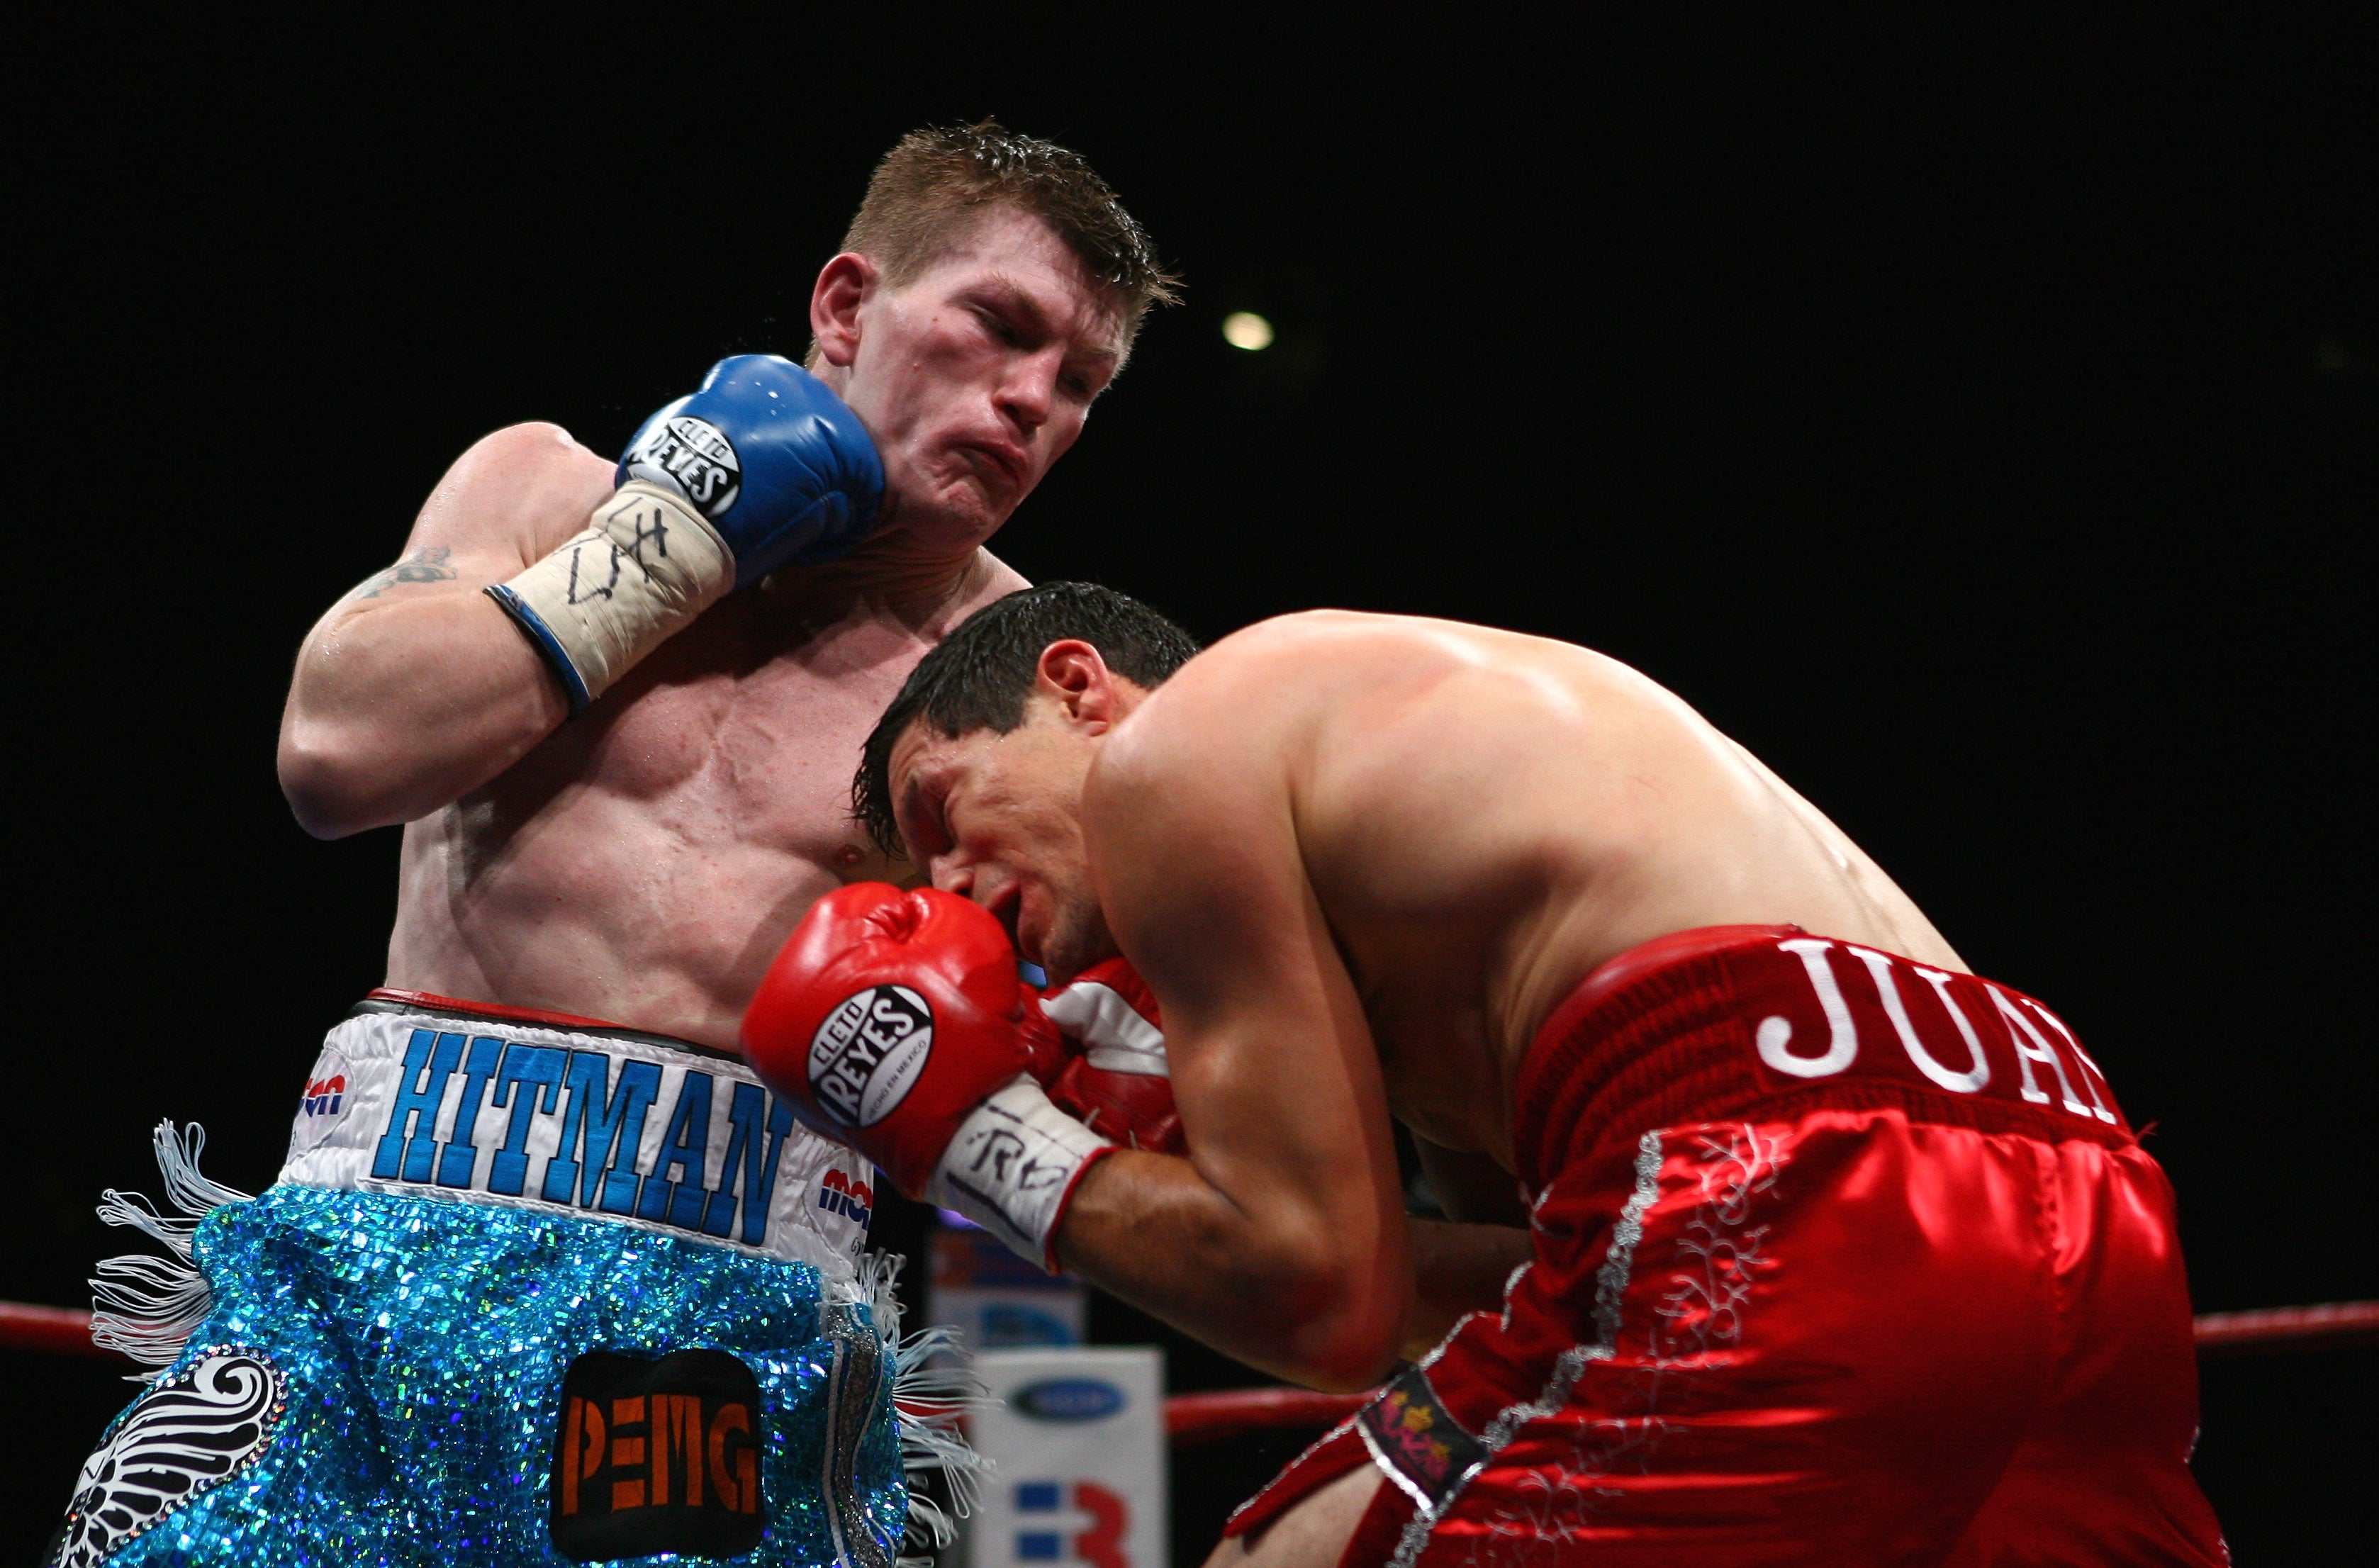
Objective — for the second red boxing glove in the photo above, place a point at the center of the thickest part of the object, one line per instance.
(1116, 1080)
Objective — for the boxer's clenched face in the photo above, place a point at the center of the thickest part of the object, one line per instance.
(974, 377)
(997, 819)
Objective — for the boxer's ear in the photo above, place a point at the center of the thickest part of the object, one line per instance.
(843, 285)
(1087, 693)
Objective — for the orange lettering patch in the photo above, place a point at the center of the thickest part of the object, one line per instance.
(655, 1454)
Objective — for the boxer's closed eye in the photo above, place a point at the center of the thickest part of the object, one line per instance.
(922, 822)
(998, 328)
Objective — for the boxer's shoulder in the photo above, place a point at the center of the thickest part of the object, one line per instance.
(1263, 698)
(1321, 660)
(522, 489)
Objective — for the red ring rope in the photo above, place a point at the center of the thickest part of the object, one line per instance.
(60, 1330)
(1205, 1417)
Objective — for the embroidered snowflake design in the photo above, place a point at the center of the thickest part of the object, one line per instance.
(1549, 1512)
(1552, 1510)
(1721, 1255)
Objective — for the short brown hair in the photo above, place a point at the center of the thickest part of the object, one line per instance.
(926, 193)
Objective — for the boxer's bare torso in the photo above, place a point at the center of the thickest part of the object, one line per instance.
(1360, 859)
(644, 861)
(1482, 818)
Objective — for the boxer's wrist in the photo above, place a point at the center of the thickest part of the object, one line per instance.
(1013, 1165)
(646, 565)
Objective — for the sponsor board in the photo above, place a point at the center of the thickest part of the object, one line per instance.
(1077, 1437)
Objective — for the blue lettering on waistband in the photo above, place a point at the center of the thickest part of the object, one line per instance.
(537, 1067)
(759, 1170)
(602, 1126)
(429, 1059)
(685, 1148)
(460, 1162)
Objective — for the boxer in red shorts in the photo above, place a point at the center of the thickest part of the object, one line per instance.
(1833, 1252)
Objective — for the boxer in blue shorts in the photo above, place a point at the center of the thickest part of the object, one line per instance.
(462, 1327)
(548, 1276)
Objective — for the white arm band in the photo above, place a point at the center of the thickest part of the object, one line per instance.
(1012, 1167)
(647, 564)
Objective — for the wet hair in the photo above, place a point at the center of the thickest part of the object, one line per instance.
(926, 195)
(978, 676)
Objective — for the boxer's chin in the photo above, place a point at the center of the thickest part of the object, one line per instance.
(952, 507)
(1077, 939)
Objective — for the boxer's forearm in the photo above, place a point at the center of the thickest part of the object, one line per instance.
(399, 706)
(1458, 1269)
(416, 687)
(1310, 1295)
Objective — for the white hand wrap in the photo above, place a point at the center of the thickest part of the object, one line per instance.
(647, 564)
(1012, 1166)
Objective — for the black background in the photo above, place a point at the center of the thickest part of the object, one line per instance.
(1974, 420)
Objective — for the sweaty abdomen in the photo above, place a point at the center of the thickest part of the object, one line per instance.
(642, 866)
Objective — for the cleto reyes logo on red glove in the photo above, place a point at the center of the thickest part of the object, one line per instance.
(869, 1053)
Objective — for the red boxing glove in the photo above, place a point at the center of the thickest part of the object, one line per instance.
(1044, 1048)
(1117, 1081)
(896, 1022)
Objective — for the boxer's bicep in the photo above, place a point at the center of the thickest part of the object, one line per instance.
(512, 499)
(1275, 1072)
(1211, 904)
(415, 686)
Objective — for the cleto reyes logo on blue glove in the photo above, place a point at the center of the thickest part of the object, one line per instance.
(690, 455)
(869, 1052)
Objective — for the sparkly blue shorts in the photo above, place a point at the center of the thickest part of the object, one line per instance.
(381, 1380)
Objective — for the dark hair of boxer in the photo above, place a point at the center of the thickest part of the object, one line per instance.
(925, 194)
(978, 676)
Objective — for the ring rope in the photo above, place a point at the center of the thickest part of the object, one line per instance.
(1208, 1418)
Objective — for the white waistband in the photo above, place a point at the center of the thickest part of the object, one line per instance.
(590, 1124)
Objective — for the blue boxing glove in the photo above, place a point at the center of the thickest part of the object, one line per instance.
(775, 462)
(761, 468)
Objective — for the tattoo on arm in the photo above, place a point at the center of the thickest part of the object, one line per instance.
(421, 566)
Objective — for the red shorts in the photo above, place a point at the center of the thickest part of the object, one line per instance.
(1838, 1258)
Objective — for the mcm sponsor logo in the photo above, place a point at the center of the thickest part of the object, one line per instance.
(868, 1052)
(594, 1108)
(325, 1102)
(324, 1095)
(656, 1455)
(692, 457)
(847, 1196)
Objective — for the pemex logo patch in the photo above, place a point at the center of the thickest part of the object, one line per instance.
(692, 457)
(655, 1454)
(868, 1053)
